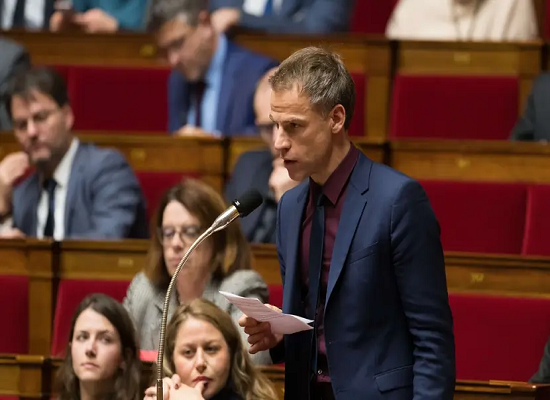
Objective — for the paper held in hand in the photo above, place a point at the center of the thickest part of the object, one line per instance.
(280, 323)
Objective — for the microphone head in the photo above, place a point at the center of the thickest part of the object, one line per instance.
(248, 202)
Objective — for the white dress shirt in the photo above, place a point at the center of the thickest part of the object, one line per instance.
(34, 13)
(61, 176)
(257, 7)
(495, 20)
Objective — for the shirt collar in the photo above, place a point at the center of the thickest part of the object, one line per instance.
(216, 64)
(334, 186)
(63, 170)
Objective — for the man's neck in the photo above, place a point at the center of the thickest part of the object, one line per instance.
(339, 151)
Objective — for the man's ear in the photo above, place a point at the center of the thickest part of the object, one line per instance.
(338, 118)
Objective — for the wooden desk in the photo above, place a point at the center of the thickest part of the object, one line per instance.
(27, 377)
(500, 390)
(523, 60)
(499, 161)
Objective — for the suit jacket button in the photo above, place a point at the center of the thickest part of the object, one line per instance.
(319, 371)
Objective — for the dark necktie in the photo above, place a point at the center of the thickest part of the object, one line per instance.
(19, 14)
(49, 186)
(316, 244)
(198, 93)
(268, 10)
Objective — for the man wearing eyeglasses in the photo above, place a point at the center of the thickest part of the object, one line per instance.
(76, 190)
(263, 170)
(211, 87)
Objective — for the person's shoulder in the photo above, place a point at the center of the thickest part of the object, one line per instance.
(242, 281)
(142, 289)
(99, 157)
(542, 82)
(253, 157)
(22, 188)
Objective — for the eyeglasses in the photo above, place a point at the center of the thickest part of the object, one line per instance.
(40, 118)
(187, 234)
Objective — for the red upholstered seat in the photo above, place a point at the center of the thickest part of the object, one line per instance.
(478, 216)
(276, 295)
(371, 16)
(69, 295)
(454, 107)
(536, 240)
(357, 127)
(14, 314)
(499, 338)
(119, 98)
(154, 184)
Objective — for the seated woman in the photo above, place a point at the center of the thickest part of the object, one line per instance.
(221, 262)
(102, 356)
(206, 359)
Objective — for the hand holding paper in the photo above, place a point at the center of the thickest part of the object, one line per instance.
(280, 323)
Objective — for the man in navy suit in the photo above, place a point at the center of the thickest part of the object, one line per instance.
(211, 88)
(284, 16)
(360, 254)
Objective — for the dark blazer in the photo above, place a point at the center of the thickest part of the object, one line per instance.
(388, 324)
(252, 170)
(104, 199)
(298, 16)
(48, 11)
(534, 125)
(543, 373)
(242, 70)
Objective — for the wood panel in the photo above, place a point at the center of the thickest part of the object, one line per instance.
(500, 161)
(500, 390)
(523, 60)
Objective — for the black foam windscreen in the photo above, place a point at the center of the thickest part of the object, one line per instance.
(248, 202)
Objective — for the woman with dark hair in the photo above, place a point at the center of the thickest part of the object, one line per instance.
(205, 359)
(221, 262)
(102, 356)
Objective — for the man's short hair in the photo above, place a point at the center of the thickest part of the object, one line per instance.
(163, 11)
(321, 75)
(45, 80)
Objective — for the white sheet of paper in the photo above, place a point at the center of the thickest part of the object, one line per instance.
(280, 323)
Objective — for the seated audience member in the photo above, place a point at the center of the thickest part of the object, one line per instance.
(263, 170)
(543, 373)
(14, 58)
(211, 87)
(463, 20)
(23, 14)
(102, 355)
(205, 358)
(76, 190)
(221, 262)
(284, 16)
(99, 16)
(534, 124)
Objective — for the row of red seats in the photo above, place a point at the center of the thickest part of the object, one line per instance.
(490, 335)
(458, 107)
(490, 217)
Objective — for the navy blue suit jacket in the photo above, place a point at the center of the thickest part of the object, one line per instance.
(298, 16)
(242, 70)
(388, 324)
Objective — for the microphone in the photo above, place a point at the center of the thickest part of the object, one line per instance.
(241, 207)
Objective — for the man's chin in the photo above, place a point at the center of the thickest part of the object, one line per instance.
(40, 162)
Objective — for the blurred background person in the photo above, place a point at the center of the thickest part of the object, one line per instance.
(221, 262)
(284, 16)
(205, 358)
(26, 14)
(14, 58)
(99, 16)
(102, 356)
(263, 170)
(211, 87)
(463, 20)
(77, 189)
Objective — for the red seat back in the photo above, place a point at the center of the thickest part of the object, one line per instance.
(454, 107)
(499, 338)
(69, 295)
(357, 126)
(479, 216)
(371, 16)
(14, 312)
(537, 223)
(276, 295)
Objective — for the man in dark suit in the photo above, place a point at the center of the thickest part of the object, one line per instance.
(211, 89)
(534, 125)
(284, 16)
(360, 254)
(260, 169)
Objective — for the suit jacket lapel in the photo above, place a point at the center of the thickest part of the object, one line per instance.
(227, 97)
(76, 176)
(260, 182)
(29, 219)
(48, 11)
(292, 277)
(354, 204)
